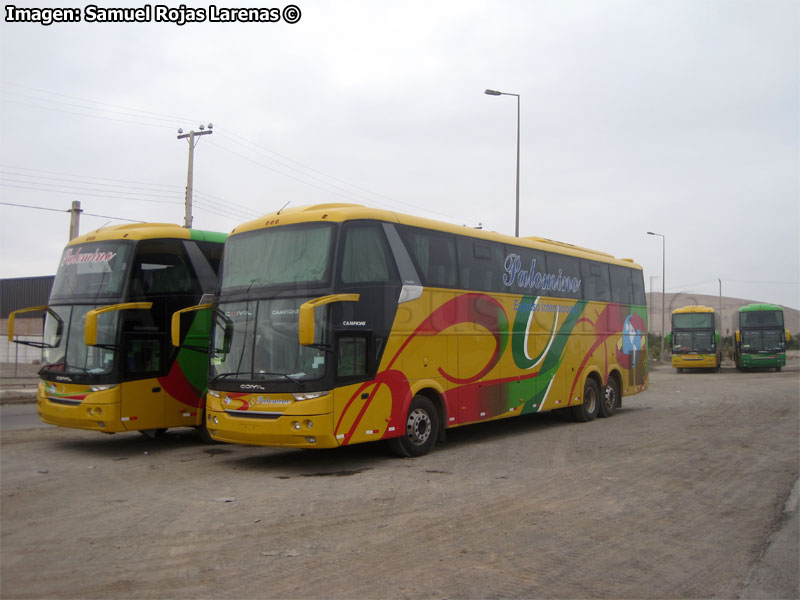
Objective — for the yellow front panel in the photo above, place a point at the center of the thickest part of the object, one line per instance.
(73, 405)
(270, 420)
(694, 361)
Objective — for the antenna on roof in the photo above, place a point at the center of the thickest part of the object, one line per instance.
(282, 207)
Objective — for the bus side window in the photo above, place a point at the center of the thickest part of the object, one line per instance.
(434, 255)
(480, 263)
(568, 267)
(366, 257)
(621, 289)
(162, 267)
(143, 356)
(595, 281)
(637, 278)
(352, 356)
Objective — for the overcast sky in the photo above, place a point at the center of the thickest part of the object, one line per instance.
(678, 117)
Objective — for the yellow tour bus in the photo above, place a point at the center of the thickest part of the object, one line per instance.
(694, 339)
(107, 361)
(338, 324)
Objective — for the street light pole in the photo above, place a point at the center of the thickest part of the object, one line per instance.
(496, 93)
(663, 286)
(187, 222)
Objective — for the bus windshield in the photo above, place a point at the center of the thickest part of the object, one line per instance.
(699, 342)
(693, 320)
(65, 351)
(766, 341)
(278, 256)
(258, 340)
(761, 318)
(92, 270)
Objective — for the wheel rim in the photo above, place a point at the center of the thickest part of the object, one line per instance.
(418, 426)
(610, 398)
(590, 399)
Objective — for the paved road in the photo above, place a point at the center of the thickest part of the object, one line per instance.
(690, 491)
(19, 416)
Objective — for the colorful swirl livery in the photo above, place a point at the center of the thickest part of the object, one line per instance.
(339, 324)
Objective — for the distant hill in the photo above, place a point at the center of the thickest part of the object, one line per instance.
(729, 307)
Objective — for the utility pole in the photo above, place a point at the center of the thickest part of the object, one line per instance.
(190, 137)
(74, 219)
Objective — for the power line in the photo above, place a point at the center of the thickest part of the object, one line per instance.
(36, 207)
(306, 174)
(92, 189)
(68, 210)
(161, 120)
(15, 168)
(349, 194)
(107, 196)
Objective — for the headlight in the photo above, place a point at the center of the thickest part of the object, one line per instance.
(214, 393)
(309, 395)
(101, 388)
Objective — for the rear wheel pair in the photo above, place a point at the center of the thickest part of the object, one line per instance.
(597, 403)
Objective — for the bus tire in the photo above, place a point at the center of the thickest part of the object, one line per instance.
(202, 429)
(609, 399)
(778, 369)
(421, 429)
(587, 411)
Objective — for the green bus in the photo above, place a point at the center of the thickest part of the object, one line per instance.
(759, 337)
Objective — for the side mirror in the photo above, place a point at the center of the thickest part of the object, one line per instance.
(738, 337)
(305, 327)
(788, 336)
(90, 335)
(43, 344)
(669, 339)
(175, 329)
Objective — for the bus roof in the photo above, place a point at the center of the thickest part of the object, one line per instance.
(147, 231)
(754, 307)
(345, 212)
(696, 308)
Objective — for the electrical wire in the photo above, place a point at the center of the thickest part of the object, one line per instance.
(69, 210)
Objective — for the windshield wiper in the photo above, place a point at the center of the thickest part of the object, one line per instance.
(226, 375)
(289, 377)
(258, 375)
(64, 368)
(323, 347)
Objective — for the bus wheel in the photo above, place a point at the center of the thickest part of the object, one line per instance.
(609, 399)
(591, 403)
(153, 433)
(202, 429)
(778, 369)
(422, 427)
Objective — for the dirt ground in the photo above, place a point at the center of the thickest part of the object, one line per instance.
(680, 495)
